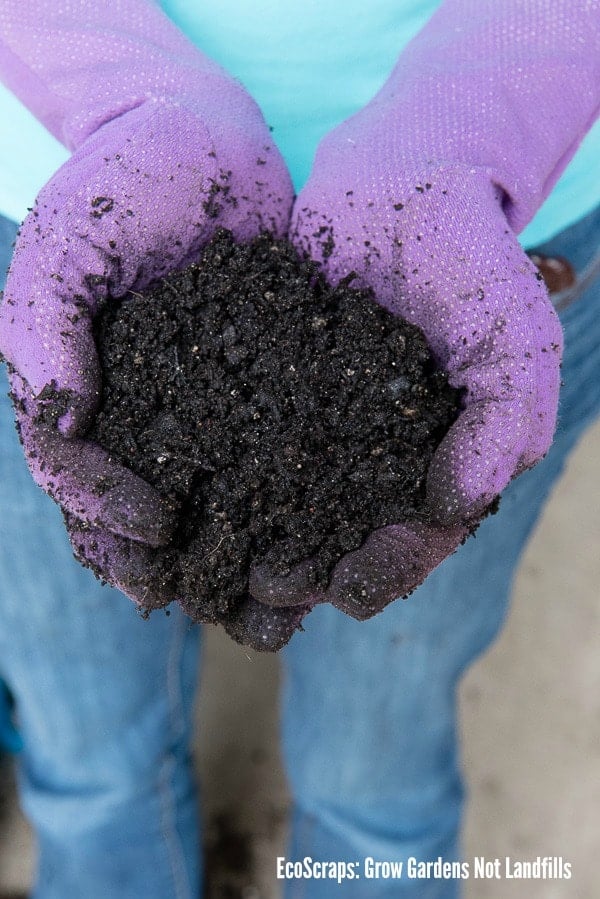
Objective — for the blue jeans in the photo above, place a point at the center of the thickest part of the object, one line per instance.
(104, 699)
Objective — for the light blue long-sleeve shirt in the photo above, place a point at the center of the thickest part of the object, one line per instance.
(309, 64)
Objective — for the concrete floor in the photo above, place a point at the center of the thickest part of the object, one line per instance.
(530, 727)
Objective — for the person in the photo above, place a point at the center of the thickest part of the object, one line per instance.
(420, 191)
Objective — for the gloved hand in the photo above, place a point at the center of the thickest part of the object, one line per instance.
(421, 194)
(166, 148)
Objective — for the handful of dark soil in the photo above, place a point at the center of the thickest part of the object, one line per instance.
(285, 418)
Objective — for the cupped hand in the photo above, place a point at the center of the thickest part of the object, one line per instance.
(433, 244)
(137, 199)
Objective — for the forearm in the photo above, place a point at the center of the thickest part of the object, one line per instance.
(77, 63)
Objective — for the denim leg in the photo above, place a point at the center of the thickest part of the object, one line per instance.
(369, 709)
(104, 706)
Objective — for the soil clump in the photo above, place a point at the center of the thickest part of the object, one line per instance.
(285, 418)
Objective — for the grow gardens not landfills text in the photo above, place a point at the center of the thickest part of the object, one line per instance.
(480, 868)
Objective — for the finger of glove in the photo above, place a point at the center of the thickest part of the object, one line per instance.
(122, 563)
(261, 627)
(391, 562)
(285, 591)
(87, 483)
(489, 445)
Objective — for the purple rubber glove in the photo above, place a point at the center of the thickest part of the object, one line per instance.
(166, 148)
(421, 194)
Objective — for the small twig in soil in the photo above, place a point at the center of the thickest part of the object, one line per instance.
(213, 551)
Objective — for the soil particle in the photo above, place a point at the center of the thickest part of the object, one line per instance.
(52, 404)
(286, 419)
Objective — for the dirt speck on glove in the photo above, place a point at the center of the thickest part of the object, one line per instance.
(287, 419)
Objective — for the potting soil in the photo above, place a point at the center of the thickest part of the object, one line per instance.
(286, 419)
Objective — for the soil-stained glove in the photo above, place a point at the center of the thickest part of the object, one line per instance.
(166, 148)
(421, 194)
